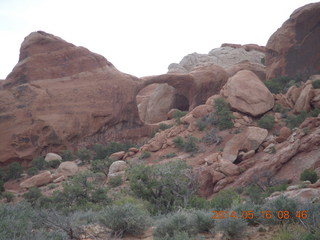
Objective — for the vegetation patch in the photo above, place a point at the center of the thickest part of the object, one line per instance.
(266, 122)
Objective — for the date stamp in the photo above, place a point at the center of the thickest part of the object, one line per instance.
(281, 215)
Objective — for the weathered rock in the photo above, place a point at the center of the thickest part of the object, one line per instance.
(216, 176)
(284, 133)
(195, 86)
(117, 166)
(228, 168)
(201, 111)
(302, 195)
(246, 93)
(303, 103)
(249, 139)
(117, 155)
(37, 180)
(42, 110)
(68, 168)
(133, 149)
(248, 154)
(258, 69)
(211, 158)
(52, 156)
(294, 50)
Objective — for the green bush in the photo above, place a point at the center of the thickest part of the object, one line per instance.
(102, 166)
(169, 155)
(281, 84)
(166, 186)
(201, 124)
(115, 181)
(234, 228)
(190, 145)
(178, 142)
(267, 122)
(177, 115)
(32, 171)
(176, 236)
(255, 193)
(32, 196)
(54, 163)
(8, 196)
(38, 163)
(316, 84)
(122, 219)
(222, 116)
(281, 203)
(224, 199)
(14, 170)
(84, 154)
(1, 186)
(67, 155)
(188, 223)
(294, 121)
(198, 203)
(164, 126)
(309, 175)
(145, 155)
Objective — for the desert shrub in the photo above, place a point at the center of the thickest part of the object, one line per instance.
(277, 188)
(198, 203)
(267, 122)
(222, 116)
(190, 145)
(32, 171)
(14, 170)
(294, 232)
(189, 223)
(280, 108)
(127, 199)
(80, 193)
(177, 115)
(176, 236)
(127, 218)
(281, 84)
(54, 163)
(115, 181)
(279, 205)
(164, 126)
(234, 228)
(201, 124)
(101, 165)
(178, 142)
(67, 155)
(39, 163)
(8, 196)
(309, 175)
(316, 84)
(165, 186)
(243, 208)
(224, 199)
(294, 121)
(32, 196)
(84, 154)
(255, 193)
(312, 220)
(212, 137)
(145, 155)
(104, 151)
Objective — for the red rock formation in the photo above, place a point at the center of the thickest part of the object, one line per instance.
(61, 95)
(294, 49)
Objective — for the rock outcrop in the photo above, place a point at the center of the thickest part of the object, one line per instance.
(37, 180)
(61, 95)
(246, 93)
(225, 56)
(294, 49)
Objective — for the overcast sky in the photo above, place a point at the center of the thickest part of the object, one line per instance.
(141, 37)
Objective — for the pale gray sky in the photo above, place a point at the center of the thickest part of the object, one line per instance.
(141, 37)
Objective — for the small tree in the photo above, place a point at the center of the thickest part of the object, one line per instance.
(309, 175)
(14, 170)
(222, 115)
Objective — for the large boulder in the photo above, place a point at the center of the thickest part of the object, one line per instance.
(246, 93)
(117, 166)
(37, 180)
(294, 49)
(52, 156)
(67, 169)
(249, 139)
(60, 95)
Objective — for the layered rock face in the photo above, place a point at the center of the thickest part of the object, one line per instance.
(294, 49)
(61, 95)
